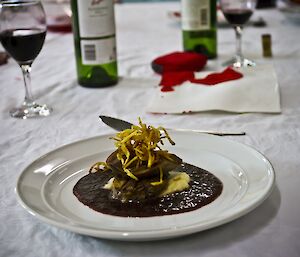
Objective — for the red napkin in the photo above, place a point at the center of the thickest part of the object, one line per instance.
(216, 78)
(171, 79)
(60, 23)
(179, 61)
(178, 67)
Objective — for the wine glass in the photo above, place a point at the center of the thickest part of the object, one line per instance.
(22, 34)
(237, 13)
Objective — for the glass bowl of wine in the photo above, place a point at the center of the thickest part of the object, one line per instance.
(238, 13)
(22, 34)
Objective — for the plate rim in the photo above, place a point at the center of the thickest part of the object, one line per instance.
(144, 235)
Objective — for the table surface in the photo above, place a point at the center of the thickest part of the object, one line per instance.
(144, 31)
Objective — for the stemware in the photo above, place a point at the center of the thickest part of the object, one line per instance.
(237, 13)
(22, 34)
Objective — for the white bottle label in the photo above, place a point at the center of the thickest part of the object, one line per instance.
(98, 51)
(195, 14)
(95, 18)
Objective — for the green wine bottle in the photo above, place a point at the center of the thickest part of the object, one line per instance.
(199, 26)
(93, 26)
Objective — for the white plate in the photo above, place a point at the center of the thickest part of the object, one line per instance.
(44, 188)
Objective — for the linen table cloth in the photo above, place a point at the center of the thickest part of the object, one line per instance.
(144, 32)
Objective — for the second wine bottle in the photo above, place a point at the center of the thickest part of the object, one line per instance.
(199, 26)
(95, 42)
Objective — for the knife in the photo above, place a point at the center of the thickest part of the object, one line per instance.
(120, 125)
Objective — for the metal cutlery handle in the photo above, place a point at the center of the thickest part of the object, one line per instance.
(217, 133)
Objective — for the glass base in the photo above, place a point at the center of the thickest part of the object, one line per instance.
(30, 111)
(238, 62)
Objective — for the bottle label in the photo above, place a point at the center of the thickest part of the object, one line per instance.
(195, 14)
(95, 18)
(98, 51)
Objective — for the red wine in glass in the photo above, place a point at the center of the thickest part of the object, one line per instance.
(22, 34)
(23, 45)
(238, 13)
(237, 16)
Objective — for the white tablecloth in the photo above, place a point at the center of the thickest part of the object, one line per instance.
(143, 32)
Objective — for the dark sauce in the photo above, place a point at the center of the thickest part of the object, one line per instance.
(204, 188)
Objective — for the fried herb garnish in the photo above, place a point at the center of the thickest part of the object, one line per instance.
(140, 146)
(137, 148)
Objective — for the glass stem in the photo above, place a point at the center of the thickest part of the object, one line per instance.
(238, 34)
(26, 68)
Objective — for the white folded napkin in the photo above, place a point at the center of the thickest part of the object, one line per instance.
(256, 91)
